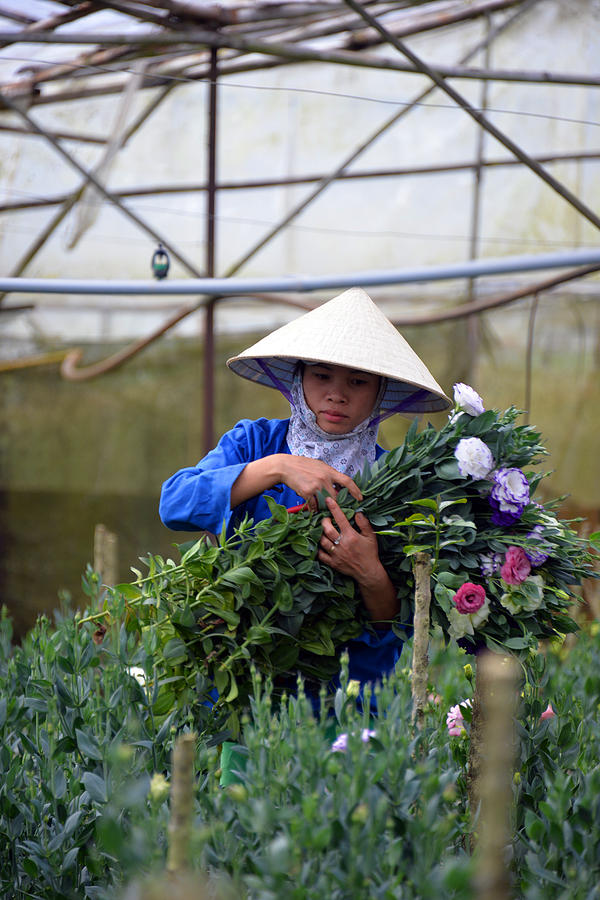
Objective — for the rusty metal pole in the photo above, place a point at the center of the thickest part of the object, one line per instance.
(209, 316)
(473, 322)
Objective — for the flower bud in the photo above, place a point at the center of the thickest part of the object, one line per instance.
(353, 688)
(360, 814)
(238, 792)
(159, 788)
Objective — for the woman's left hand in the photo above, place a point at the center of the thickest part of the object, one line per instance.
(347, 550)
(355, 553)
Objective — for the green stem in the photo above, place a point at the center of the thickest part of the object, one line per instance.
(239, 652)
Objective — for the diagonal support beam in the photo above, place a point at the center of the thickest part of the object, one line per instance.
(328, 179)
(91, 178)
(69, 201)
(478, 116)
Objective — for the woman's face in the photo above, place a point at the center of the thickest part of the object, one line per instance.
(340, 398)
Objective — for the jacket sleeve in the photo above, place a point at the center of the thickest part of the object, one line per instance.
(199, 497)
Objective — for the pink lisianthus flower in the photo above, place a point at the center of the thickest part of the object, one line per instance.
(517, 566)
(469, 598)
(548, 712)
(455, 719)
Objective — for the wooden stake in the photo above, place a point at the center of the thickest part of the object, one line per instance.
(182, 801)
(106, 554)
(422, 570)
(492, 759)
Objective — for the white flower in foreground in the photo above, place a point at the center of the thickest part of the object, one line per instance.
(138, 673)
(468, 399)
(462, 624)
(474, 458)
(526, 597)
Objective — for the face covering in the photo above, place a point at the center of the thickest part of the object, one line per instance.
(347, 453)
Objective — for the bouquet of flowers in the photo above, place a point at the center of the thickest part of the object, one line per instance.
(504, 567)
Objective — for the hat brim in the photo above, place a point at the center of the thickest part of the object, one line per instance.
(413, 398)
(350, 331)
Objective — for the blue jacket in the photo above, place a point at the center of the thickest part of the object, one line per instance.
(198, 498)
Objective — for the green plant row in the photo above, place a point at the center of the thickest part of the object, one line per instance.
(86, 768)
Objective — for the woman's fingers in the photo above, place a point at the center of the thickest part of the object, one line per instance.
(336, 511)
(344, 481)
(363, 523)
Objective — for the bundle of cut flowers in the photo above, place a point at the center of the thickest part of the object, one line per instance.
(505, 567)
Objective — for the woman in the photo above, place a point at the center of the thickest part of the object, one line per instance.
(343, 367)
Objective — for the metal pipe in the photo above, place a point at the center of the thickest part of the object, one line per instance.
(70, 200)
(301, 283)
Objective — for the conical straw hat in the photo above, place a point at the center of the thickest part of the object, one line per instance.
(349, 330)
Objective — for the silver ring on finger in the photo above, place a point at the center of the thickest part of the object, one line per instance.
(337, 540)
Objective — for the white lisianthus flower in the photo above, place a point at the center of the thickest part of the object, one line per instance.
(468, 399)
(524, 597)
(474, 458)
(466, 623)
(138, 673)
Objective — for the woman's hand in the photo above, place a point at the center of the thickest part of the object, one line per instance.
(305, 476)
(355, 553)
(309, 476)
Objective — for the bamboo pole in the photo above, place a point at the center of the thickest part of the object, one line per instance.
(422, 572)
(491, 759)
(182, 804)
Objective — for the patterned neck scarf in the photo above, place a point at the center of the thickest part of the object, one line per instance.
(347, 453)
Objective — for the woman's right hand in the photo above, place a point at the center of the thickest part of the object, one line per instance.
(303, 475)
(309, 476)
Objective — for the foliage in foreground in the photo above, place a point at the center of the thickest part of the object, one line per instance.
(85, 765)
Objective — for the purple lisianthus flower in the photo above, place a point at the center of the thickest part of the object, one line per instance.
(474, 458)
(509, 495)
(538, 556)
(489, 563)
(501, 518)
(341, 742)
(468, 399)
